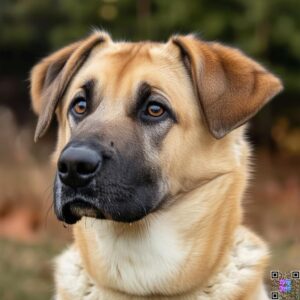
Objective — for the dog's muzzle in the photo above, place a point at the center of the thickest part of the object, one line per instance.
(77, 167)
(99, 180)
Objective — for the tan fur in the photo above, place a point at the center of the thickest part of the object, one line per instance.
(194, 247)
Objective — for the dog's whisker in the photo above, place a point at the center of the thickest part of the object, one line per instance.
(47, 214)
(47, 192)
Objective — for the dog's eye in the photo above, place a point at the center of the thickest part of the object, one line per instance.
(154, 110)
(79, 106)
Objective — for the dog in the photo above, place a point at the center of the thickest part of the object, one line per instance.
(152, 166)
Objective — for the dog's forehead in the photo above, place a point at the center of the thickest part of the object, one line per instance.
(119, 68)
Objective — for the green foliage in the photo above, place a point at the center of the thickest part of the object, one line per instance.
(269, 30)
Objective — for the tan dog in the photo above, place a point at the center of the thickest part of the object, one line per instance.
(153, 161)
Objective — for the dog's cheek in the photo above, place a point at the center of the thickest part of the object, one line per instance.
(63, 137)
(181, 158)
(153, 146)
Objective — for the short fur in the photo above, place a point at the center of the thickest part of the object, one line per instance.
(192, 245)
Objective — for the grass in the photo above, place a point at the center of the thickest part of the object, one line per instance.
(26, 270)
(272, 209)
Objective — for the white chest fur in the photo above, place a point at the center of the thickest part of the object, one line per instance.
(138, 261)
(132, 269)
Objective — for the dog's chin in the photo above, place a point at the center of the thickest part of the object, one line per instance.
(75, 209)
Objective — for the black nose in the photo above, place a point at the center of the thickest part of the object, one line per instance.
(77, 165)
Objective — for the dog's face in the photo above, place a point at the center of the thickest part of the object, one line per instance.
(140, 123)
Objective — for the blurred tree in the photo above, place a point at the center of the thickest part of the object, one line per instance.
(269, 30)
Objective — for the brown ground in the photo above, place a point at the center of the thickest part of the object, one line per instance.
(30, 235)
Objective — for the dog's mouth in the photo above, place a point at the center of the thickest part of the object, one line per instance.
(102, 182)
(76, 209)
(123, 200)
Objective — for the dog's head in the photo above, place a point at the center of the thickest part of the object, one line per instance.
(140, 123)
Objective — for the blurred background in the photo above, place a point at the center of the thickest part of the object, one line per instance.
(267, 30)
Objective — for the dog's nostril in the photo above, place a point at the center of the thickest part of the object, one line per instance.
(62, 168)
(86, 168)
(81, 169)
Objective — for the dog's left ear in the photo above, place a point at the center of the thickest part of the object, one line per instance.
(231, 87)
(50, 77)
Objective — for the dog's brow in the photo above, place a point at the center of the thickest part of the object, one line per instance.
(91, 92)
(88, 86)
(144, 90)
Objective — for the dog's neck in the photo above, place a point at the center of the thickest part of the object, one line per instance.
(168, 253)
(238, 277)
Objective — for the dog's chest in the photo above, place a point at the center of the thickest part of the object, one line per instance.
(134, 262)
(127, 266)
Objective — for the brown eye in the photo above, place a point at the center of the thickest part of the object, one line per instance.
(155, 110)
(79, 106)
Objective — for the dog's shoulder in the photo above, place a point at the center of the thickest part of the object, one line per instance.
(240, 276)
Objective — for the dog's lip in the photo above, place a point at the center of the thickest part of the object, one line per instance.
(74, 210)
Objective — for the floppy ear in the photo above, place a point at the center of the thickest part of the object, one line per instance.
(50, 78)
(231, 87)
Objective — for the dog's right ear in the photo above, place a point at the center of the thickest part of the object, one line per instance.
(50, 78)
